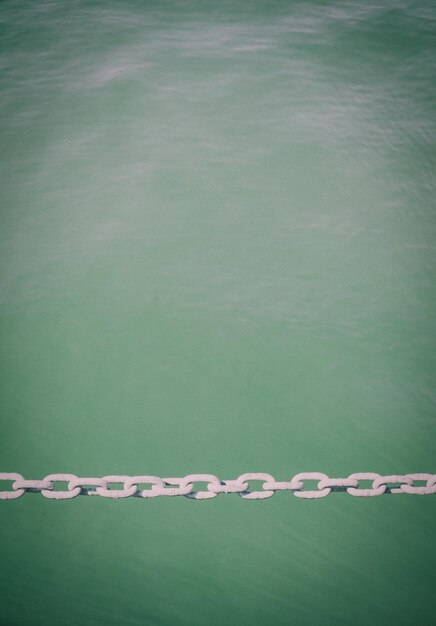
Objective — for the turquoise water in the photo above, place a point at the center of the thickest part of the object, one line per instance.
(217, 254)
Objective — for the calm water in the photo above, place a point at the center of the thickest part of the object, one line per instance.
(218, 246)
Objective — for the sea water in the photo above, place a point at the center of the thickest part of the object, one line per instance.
(218, 246)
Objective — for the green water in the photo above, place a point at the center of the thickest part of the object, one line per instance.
(218, 245)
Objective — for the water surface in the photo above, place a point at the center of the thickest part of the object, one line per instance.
(217, 254)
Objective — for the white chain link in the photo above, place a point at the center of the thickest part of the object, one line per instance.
(153, 486)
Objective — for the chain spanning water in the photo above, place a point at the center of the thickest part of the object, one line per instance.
(184, 486)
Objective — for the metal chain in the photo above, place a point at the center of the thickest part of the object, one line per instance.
(153, 486)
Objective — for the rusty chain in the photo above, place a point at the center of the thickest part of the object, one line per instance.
(154, 486)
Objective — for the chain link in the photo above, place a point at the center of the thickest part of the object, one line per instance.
(184, 486)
